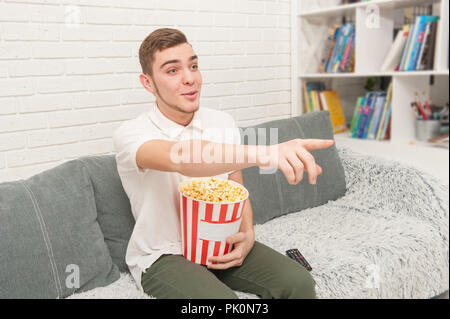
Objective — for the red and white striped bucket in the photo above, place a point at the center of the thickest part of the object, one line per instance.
(205, 226)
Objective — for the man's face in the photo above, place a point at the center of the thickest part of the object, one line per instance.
(176, 80)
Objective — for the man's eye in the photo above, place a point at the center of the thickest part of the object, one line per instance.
(195, 66)
(172, 71)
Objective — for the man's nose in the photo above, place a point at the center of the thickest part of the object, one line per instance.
(188, 77)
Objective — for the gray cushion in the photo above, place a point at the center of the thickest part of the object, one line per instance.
(48, 223)
(113, 206)
(271, 195)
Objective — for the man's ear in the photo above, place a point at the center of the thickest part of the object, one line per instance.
(147, 83)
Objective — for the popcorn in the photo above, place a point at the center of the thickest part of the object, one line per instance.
(213, 189)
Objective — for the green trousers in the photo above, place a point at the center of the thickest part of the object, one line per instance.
(264, 272)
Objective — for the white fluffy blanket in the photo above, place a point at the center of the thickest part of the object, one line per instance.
(388, 237)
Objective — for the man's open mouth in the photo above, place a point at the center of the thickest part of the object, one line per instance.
(192, 93)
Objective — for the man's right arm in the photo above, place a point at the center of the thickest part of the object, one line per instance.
(167, 156)
(291, 157)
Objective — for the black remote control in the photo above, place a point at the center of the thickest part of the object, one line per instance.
(298, 257)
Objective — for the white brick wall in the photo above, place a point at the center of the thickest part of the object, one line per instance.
(69, 70)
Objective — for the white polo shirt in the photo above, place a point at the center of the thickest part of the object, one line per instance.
(153, 194)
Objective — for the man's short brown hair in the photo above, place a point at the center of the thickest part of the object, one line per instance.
(158, 40)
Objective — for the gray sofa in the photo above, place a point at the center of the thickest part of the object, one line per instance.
(370, 228)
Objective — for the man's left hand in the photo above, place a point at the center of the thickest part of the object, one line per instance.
(243, 243)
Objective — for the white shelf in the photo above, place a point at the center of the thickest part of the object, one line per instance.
(365, 75)
(351, 8)
(434, 160)
(413, 142)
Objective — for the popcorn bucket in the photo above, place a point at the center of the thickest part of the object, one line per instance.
(205, 226)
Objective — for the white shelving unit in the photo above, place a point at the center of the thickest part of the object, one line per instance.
(374, 24)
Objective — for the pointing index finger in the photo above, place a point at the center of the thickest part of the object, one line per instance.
(315, 144)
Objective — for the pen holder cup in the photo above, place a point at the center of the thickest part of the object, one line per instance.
(427, 129)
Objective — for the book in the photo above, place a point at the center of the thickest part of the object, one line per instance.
(351, 65)
(323, 102)
(342, 46)
(328, 51)
(422, 48)
(411, 43)
(370, 99)
(405, 51)
(319, 101)
(337, 44)
(339, 50)
(333, 105)
(359, 118)
(343, 67)
(373, 127)
(306, 98)
(361, 101)
(310, 87)
(387, 123)
(418, 40)
(369, 115)
(428, 57)
(384, 113)
(359, 124)
(333, 52)
(394, 55)
(314, 99)
(415, 40)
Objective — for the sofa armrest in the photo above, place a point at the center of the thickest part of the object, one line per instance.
(375, 184)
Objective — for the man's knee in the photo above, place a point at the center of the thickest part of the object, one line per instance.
(297, 285)
(303, 287)
(217, 293)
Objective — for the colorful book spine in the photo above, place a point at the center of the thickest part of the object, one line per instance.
(429, 55)
(333, 49)
(369, 100)
(338, 53)
(347, 52)
(386, 121)
(306, 98)
(315, 102)
(405, 51)
(350, 63)
(343, 45)
(385, 109)
(373, 128)
(418, 40)
(369, 116)
(423, 46)
(328, 51)
(411, 44)
(364, 115)
(361, 100)
(310, 88)
(311, 101)
(420, 28)
(359, 117)
(336, 50)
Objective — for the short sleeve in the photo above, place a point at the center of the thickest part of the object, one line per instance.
(127, 142)
(235, 137)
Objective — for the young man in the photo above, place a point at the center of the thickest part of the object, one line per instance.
(150, 176)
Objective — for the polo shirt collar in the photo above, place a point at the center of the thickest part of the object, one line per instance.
(171, 128)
